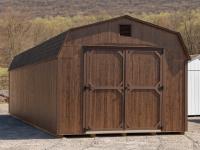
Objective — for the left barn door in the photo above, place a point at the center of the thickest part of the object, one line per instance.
(103, 90)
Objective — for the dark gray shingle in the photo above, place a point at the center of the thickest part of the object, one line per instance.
(47, 50)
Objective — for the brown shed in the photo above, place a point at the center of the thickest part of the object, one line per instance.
(116, 76)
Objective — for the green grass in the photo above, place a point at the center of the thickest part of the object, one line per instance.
(3, 72)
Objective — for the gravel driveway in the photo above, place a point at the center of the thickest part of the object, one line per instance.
(16, 135)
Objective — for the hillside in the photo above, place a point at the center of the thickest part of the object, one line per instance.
(26, 23)
(86, 7)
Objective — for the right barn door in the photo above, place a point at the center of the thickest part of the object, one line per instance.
(143, 89)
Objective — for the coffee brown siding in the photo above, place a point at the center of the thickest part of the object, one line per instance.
(70, 70)
(33, 94)
(69, 98)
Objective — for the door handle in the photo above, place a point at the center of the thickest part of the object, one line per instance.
(88, 87)
(160, 87)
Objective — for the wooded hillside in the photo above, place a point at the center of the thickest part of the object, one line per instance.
(43, 8)
(19, 31)
(26, 23)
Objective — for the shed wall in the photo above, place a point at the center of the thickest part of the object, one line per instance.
(70, 75)
(33, 94)
(194, 87)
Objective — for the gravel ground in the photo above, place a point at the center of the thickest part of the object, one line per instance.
(15, 135)
(3, 99)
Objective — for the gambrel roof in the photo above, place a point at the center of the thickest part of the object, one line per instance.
(46, 50)
(50, 49)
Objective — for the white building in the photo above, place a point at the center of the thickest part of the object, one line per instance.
(194, 86)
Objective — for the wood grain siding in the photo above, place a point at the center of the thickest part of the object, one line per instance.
(70, 75)
(33, 94)
(69, 95)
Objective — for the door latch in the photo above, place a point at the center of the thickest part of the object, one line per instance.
(88, 87)
(160, 87)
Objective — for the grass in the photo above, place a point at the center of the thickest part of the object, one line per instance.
(3, 72)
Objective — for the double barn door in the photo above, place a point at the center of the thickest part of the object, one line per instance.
(122, 89)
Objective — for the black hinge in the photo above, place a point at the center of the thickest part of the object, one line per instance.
(86, 129)
(160, 126)
(161, 52)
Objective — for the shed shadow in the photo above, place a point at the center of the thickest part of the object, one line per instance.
(14, 129)
(194, 119)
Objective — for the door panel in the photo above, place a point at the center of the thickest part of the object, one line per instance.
(103, 109)
(142, 109)
(142, 68)
(103, 68)
(143, 90)
(103, 91)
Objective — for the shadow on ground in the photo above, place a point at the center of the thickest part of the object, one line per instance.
(13, 129)
(195, 120)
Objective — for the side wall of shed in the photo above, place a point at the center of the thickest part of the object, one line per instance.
(33, 94)
(174, 100)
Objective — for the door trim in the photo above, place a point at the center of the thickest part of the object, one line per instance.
(89, 86)
(116, 48)
(158, 87)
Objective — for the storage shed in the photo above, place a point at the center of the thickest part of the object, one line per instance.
(194, 86)
(121, 75)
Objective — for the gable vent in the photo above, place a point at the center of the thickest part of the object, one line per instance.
(125, 30)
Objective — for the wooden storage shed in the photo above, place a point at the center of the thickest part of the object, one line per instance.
(194, 86)
(116, 76)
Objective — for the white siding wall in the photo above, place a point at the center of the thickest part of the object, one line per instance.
(194, 87)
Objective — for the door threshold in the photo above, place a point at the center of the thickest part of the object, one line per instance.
(122, 131)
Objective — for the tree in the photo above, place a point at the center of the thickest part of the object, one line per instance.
(17, 27)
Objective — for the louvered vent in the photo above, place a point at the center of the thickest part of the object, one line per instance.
(125, 30)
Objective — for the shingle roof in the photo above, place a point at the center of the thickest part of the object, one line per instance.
(46, 50)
